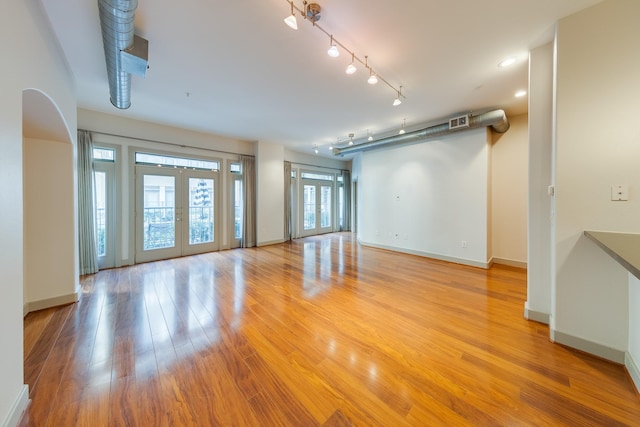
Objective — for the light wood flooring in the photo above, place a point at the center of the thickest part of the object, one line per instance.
(316, 332)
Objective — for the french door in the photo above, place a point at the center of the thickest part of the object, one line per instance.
(317, 207)
(176, 212)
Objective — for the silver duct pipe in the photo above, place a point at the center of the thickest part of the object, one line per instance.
(116, 20)
(497, 119)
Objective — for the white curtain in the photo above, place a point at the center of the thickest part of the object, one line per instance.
(249, 202)
(346, 215)
(86, 225)
(287, 201)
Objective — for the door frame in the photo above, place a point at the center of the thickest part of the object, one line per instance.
(182, 246)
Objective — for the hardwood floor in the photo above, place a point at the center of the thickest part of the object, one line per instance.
(315, 332)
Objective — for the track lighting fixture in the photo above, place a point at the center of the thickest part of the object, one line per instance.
(311, 12)
(333, 50)
(315, 148)
(351, 68)
(398, 101)
(291, 20)
(351, 138)
(404, 121)
(369, 136)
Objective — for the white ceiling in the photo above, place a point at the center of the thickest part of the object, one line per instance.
(232, 67)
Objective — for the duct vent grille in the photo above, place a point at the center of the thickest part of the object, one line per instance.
(459, 122)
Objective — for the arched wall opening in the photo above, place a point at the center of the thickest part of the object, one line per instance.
(50, 272)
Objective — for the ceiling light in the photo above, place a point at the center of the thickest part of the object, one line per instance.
(507, 62)
(333, 50)
(402, 128)
(398, 101)
(291, 19)
(351, 139)
(351, 68)
(315, 148)
(372, 78)
(370, 138)
(520, 93)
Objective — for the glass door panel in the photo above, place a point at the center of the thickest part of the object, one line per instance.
(325, 208)
(200, 211)
(159, 212)
(309, 208)
(100, 198)
(157, 236)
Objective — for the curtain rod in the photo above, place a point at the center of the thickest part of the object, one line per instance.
(166, 143)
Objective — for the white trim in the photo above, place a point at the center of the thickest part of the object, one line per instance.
(50, 302)
(463, 261)
(15, 413)
(272, 242)
(536, 316)
(633, 370)
(510, 262)
(590, 347)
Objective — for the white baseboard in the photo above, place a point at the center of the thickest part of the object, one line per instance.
(50, 302)
(633, 370)
(18, 407)
(463, 261)
(536, 316)
(271, 242)
(510, 262)
(590, 347)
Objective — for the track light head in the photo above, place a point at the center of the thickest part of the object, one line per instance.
(372, 78)
(291, 20)
(333, 50)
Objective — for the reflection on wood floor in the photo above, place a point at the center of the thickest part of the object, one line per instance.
(319, 331)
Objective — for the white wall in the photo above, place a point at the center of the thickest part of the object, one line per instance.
(597, 145)
(270, 197)
(428, 197)
(35, 63)
(48, 222)
(509, 179)
(541, 108)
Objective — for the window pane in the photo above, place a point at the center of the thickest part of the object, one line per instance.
(105, 154)
(99, 199)
(325, 206)
(235, 168)
(200, 211)
(155, 159)
(159, 212)
(309, 207)
(319, 176)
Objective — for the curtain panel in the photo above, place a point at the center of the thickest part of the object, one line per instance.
(249, 201)
(88, 253)
(287, 201)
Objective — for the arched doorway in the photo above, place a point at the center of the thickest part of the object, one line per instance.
(50, 273)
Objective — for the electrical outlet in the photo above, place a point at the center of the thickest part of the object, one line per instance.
(464, 244)
(620, 192)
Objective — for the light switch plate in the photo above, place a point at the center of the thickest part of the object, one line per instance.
(620, 192)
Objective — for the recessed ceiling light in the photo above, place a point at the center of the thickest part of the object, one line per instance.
(520, 93)
(507, 62)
